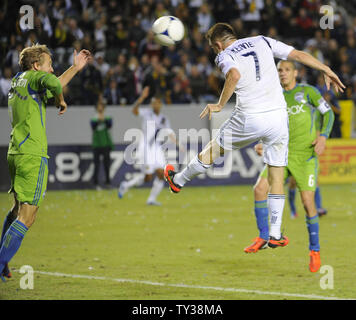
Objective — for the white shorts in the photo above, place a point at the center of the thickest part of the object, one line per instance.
(150, 158)
(271, 128)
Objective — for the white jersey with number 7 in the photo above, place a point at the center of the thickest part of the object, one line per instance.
(258, 89)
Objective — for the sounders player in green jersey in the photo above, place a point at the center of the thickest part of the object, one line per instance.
(27, 153)
(305, 145)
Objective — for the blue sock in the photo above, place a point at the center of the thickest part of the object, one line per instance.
(317, 198)
(261, 213)
(12, 241)
(10, 218)
(313, 229)
(291, 200)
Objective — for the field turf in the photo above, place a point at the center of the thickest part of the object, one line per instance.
(91, 245)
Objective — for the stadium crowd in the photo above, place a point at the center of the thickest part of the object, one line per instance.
(126, 57)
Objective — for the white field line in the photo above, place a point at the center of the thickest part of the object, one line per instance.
(161, 284)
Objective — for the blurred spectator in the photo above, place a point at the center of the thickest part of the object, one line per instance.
(100, 35)
(197, 84)
(205, 18)
(112, 93)
(92, 84)
(12, 57)
(305, 23)
(158, 81)
(100, 64)
(125, 80)
(5, 85)
(312, 48)
(149, 46)
(251, 12)
(75, 31)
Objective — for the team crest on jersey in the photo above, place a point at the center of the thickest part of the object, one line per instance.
(299, 96)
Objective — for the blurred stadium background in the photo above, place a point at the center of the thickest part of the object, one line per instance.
(140, 243)
(126, 58)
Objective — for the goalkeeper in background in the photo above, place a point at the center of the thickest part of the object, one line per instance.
(27, 154)
(102, 143)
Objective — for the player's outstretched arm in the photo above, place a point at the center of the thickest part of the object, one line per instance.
(329, 76)
(142, 97)
(80, 60)
(232, 77)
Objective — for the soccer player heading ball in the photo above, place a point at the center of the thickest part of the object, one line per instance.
(260, 112)
(27, 154)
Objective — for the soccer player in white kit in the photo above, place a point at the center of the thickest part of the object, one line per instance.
(260, 112)
(149, 154)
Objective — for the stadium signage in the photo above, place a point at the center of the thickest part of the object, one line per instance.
(72, 167)
(338, 163)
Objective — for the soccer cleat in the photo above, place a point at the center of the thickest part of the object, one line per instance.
(314, 264)
(322, 212)
(281, 242)
(169, 174)
(6, 272)
(122, 189)
(293, 215)
(153, 203)
(258, 244)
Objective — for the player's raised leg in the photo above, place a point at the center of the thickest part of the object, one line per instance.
(198, 165)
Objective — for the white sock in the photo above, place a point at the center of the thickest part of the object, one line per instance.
(275, 208)
(156, 189)
(136, 181)
(194, 168)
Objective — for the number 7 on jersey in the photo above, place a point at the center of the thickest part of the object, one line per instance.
(257, 63)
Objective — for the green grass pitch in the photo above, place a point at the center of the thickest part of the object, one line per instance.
(190, 248)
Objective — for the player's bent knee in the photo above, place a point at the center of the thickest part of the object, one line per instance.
(27, 214)
(260, 189)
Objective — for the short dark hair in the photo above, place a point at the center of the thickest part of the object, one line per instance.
(221, 31)
(294, 67)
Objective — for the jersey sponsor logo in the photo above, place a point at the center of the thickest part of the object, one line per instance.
(296, 109)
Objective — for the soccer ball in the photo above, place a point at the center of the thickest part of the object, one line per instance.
(168, 30)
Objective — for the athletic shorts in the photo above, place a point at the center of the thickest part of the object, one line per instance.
(28, 175)
(305, 172)
(150, 158)
(271, 128)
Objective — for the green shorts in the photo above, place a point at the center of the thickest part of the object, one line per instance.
(304, 171)
(28, 175)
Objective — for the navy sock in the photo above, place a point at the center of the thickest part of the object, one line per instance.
(10, 218)
(291, 200)
(317, 198)
(12, 241)
(261, 213)
(313, 230)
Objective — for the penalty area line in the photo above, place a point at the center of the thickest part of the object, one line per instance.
(188, 286)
